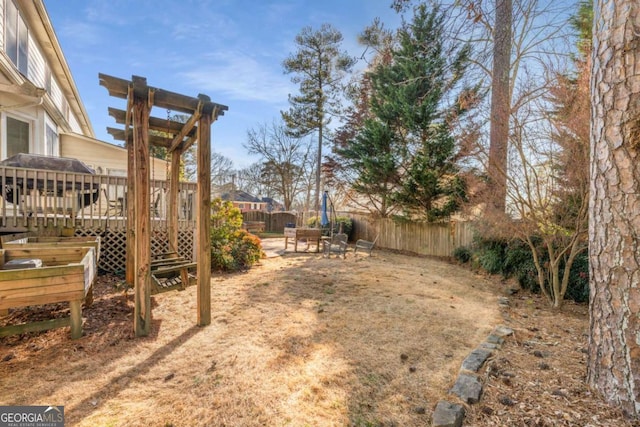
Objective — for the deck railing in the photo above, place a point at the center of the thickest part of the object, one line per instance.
(31, 198)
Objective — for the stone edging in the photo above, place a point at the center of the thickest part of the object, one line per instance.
(468, 386)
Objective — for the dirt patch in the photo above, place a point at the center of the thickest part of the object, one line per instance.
(303, 340)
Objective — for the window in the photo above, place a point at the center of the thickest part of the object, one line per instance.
(51, 143)
(17, 136)
(16, 37)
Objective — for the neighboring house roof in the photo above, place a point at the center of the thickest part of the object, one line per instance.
(240, 196)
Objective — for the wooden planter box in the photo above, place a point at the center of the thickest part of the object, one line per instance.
(44, 242)
(67, 274)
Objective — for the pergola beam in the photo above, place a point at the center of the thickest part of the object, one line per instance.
(171, 127)
(118, 88)
(186, 129)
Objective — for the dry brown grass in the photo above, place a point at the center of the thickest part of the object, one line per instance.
(298, 340)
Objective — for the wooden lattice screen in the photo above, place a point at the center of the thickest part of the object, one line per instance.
(114, 246)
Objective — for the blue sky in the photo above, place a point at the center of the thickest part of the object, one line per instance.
(229, 50)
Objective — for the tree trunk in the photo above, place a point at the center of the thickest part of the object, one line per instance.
(614, 346)
(500, 107)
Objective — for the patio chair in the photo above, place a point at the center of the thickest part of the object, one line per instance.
(336, 244)
(365, 245)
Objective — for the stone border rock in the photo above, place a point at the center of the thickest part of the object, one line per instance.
(468, 386)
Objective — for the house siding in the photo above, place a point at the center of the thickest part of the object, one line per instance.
(36, 64)
(107, 157)
(73, 122)
(56, 94)
(2, 25)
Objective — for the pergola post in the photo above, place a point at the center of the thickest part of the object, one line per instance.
(131, 217)
(130, 195)
(142, 205)
(203, 220)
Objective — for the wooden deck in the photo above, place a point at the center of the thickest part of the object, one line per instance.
(33, 198)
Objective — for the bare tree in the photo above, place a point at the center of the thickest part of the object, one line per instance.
(250, 180)
(283, 159)
(613, 366)
(550, 193)
(540, 45)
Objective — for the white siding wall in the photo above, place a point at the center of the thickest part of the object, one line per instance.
(56, 94)
(73, 122)
(36, 63)
(98, 154)
(37, 74)
(2, 25)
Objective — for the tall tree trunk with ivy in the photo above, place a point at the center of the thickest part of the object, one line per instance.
(614, 346)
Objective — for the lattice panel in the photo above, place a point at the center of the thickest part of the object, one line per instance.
(185, 244)
(113, 246)
(159, 242)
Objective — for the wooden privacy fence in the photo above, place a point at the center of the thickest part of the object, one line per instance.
(433, 239)
(274, 222)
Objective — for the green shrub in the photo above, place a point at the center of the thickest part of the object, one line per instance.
(513, 259)
(462, 254)
(246, 249)
(345, 222)
(519, 263)
(490, 256)
(578, 287)
(232, 248)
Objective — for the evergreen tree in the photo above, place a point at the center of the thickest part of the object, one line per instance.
(372, 160)
(414, 104)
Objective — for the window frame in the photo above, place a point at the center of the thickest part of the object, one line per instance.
(51, 147)
(5, 133)
(16, 37)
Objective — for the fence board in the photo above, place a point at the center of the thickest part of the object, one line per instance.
(433, 239)
(274, 222)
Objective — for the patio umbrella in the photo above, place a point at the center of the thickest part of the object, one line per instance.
(324, 220)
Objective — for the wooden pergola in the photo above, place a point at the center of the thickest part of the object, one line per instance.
(140, 131)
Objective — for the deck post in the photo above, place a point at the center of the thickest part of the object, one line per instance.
(172, 220)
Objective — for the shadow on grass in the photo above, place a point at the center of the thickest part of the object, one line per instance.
(121, 382)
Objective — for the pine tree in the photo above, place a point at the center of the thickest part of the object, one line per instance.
(319, 66)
